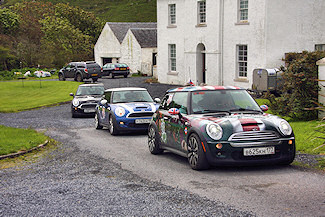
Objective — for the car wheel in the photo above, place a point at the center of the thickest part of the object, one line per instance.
(154, 141)
(61, 77)
(78, 78)
(112, 75)
(73, 115)
(112, 125)
(95, 79)
(126, 75)
(196, 156)
(97, 124)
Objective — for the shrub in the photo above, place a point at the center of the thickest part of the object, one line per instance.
(300, 87)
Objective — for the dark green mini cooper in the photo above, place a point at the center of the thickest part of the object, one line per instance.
(213, 125)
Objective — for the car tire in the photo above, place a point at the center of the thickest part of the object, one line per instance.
(73, 115)
(113, 76)
(154, 141)
(125, 76)
(61, 77)
(95, 79)
(196, 156)
(291, 159)
(78, 77)
(112, 128)
(97, 124)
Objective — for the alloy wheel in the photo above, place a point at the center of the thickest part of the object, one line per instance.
(193, 148)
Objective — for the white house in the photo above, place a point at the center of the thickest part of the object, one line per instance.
(221, 42)
(110, 48)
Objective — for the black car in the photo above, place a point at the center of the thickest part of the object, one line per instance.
(216, 125)
(80, 71)
(115, 69)
(86, 99)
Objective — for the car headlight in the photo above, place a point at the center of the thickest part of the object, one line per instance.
(285, 128)
(214, 131)
(119, 111)
(75, 102)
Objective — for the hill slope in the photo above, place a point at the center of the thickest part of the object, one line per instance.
(112, 10)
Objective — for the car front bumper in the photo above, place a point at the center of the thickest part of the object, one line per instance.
(129, 124)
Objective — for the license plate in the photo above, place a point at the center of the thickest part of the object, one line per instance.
(259, 151)
(89, 110)
(142, 121)
(122, 68)
(94, 74)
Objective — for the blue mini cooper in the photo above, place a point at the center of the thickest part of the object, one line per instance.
(125, 109)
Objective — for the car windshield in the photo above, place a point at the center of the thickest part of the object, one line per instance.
(131, 96)
(223, 101)
(90, 90)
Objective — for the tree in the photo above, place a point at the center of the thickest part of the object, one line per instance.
(300, 87)
(9, 21)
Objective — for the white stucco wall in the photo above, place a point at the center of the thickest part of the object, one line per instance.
(274, 27)
(131, 52)
(321, 77)
(107, 46)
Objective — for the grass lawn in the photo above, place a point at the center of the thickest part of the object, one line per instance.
(13, 140)
(19, 96)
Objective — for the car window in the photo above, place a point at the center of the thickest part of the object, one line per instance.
(108, 96)
(166, 101)
(131, 96)
(180, 101)
(90, 90)
(92, 65)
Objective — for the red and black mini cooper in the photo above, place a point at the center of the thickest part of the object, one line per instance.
(213, 125)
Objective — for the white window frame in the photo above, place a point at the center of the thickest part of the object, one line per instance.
(319, 47)
(243, 10)
(172, 14)
(241, 56)
(172, 57)
(201, 12)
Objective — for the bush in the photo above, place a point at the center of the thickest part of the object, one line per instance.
(300, 87)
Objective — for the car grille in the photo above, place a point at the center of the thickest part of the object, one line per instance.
(140, 114)
(253, 136)
(88, 105)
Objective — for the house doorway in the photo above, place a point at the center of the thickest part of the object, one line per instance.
(200, 64)
(107, 60)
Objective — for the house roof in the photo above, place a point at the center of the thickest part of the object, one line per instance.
(147, 37)
(120, 28)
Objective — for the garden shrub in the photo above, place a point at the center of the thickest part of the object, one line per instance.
(300, 87)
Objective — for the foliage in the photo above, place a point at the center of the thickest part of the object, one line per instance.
(20, 96)
(9, 21)
(300, 87)
(13, 140)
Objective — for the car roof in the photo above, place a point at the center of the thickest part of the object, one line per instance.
(88, 85)
(125, 89)
(199, 88)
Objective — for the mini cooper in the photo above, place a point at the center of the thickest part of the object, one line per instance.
(213, 125)
(86, 99)
(125, 109)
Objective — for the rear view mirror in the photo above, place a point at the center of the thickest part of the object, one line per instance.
(264, 108)
(71, 94)
(173, 111)
(103, 102)
(157, 100)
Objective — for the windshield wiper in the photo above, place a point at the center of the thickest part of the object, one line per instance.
(211, 111)
(246, 110)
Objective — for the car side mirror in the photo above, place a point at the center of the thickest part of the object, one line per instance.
(174, 111)
(264, 108)
(157, 100)
(71, 94)
(103, 102)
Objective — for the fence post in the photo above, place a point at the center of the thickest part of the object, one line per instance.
(321, 83)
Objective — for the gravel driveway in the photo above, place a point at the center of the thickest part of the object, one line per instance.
(71, 182)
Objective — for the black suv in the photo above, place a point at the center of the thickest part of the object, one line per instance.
(80, 71)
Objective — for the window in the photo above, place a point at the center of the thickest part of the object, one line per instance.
(108, 96)
(172, 57)
(172, 14)
(243, 11)
(242, 60)
(180, 101)
(201, 12)
(320, 47)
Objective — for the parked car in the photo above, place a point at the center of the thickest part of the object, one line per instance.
(116, 69)
(86, 98)
(212, 125)
(125, 109)
(80, 71)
